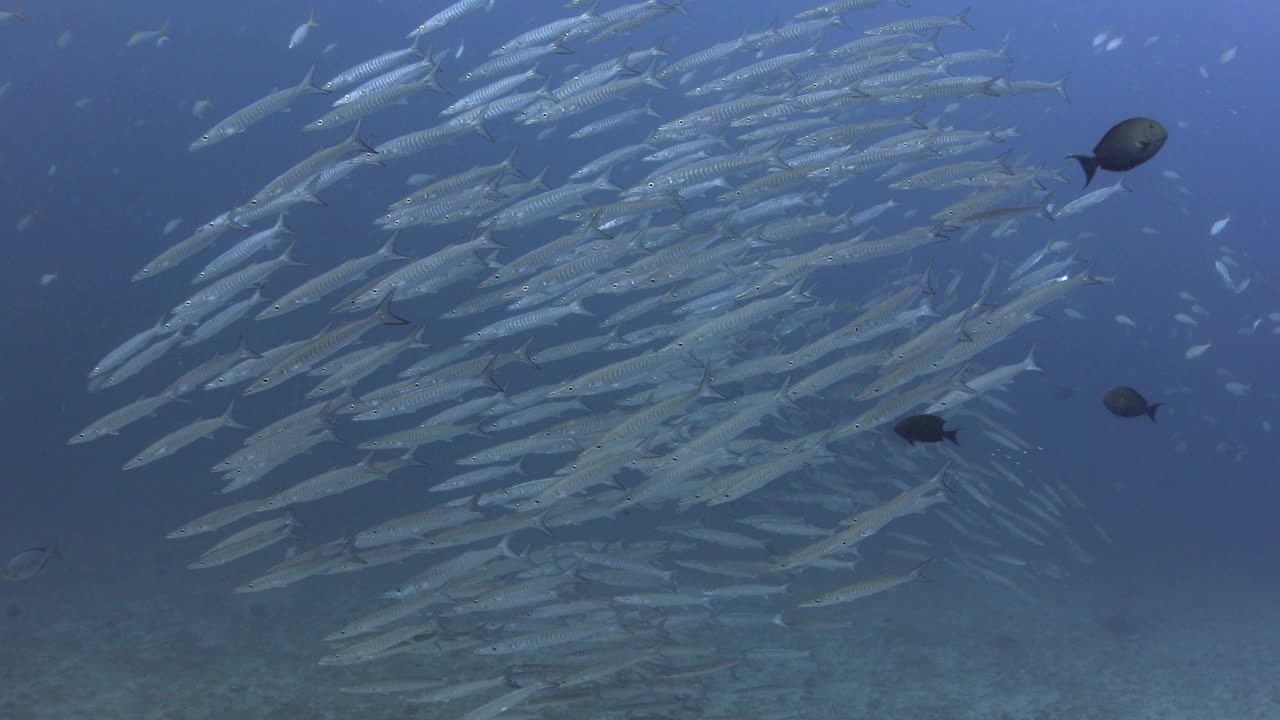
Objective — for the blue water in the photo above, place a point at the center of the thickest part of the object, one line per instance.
(1195, 491)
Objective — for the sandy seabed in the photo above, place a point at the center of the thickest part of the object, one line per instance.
(100, 641)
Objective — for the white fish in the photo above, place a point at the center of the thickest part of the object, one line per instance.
(146, 36)
(1074, 314)
(200, 107)
(1171, 174)
(1150, 231)
(47, 279)
(1099, 39)
(1152, 40)
(1228, 55)
(1186, 295)
(1225, 274)
(1237, 388)
(1185, 319)
(461, 46)
(300, 34)
(1115, 43)
(1196, 351)
(1219, 225)
(1126, 321)
(1204, 73)
(170, 226)
(329, 48)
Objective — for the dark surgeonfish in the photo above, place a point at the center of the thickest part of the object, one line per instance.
(1127, 402)
(29, 563)
(1124, 147)
(924, 428)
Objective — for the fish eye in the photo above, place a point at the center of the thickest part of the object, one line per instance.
(206, 137)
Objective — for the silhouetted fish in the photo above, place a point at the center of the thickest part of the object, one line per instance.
(924, 428)
(1127, 402)
(1124, 147)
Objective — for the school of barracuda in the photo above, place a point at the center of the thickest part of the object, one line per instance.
(718, 378)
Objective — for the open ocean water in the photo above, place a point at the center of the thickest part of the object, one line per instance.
(1074, 565)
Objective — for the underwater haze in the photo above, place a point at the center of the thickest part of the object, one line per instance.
(616, 424)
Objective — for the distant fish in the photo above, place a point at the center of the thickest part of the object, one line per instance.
(170, 226)
(1126, 321)
(1100, 39)
(1152, 40)
(47, 279)
(1196, 351)
(7, 15)
(146, 36)
(1128, 403)
(1228, 55)
(299, 35)
(1238, 389)
(1219, 225)
(925, 429)
(1125, 146)
(29, 563)
(200, 107)
(1114, 43)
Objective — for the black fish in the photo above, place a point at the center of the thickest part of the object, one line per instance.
(1124, 147)
(924, 428)
(1127, 402)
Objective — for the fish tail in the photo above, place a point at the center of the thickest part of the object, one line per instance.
(385, 314)
(951, 435)
(1151, 410)
(1089, 164)
(309, 83)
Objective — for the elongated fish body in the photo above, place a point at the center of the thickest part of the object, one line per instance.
(299, 174)
(376, 66)
(922, 25)
(391, 78)
(221, 291)
(113, 422)
(127, 349)
(141, 361)
(225, 318)
(451, 14)
(243, 250)
(203, 237)
(182, 437)
(353, 111)
(256, 112)
(326, 344)
(864, 588)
